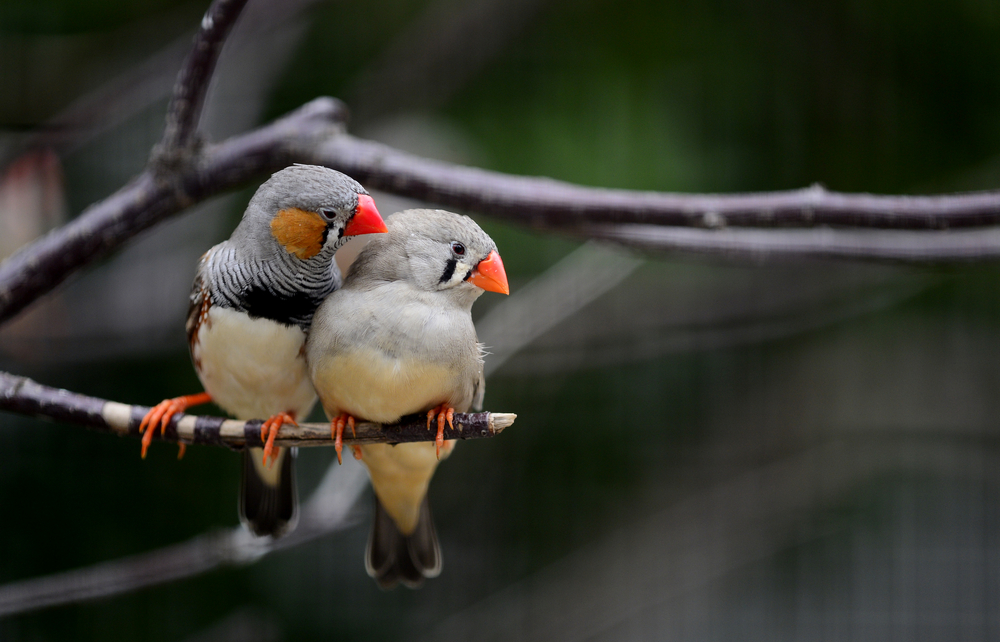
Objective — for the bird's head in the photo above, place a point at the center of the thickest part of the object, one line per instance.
(438, 251)
(308, 211)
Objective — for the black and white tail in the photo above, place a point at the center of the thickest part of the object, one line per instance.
(268, 497)
(392, 557)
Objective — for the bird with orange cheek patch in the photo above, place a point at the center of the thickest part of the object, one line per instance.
(252, 303)
(398, 339)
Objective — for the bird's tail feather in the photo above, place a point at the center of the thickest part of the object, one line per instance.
(269, 506)
(392, 557)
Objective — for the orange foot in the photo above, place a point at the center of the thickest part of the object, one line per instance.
(444, 413)
(337, 426)
(269, 430)
(163, 412)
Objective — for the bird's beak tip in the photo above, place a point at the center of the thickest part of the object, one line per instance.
(490, 274)
(366, 219)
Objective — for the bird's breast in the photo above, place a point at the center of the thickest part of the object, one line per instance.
(371, 384)
(253, 367)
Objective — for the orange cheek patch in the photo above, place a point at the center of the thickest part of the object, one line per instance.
(299, 231)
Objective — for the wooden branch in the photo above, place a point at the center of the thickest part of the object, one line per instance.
(147, 200)
(544, 201)
(24, 396)
(895, 246)
(315, 134)
(192, 81)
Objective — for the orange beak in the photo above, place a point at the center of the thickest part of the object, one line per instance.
(366, 219)
(490, 275)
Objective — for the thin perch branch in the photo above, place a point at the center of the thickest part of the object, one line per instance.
(24, 396)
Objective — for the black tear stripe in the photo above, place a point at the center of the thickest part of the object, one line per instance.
(297, 309)
(449, 270)
(468, 275)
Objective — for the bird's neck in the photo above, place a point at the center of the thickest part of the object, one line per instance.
(282, 288)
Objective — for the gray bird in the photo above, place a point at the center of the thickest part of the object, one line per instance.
(398, 339)
(252, 302)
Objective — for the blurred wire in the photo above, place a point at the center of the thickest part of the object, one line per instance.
(669, 313)
(585, 275)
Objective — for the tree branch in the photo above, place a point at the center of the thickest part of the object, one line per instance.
(544, 201)
(314, 134)
(182, 174)
(147, 200)
(24, 396)
(898, 246)
(192, 81)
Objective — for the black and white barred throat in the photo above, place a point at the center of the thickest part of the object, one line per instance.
(285, 289)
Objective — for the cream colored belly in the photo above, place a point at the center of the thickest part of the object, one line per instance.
(253, 368)
(400, 476)
(369, 385)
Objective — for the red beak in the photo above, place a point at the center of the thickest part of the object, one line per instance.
(490, 275)
(366, 219)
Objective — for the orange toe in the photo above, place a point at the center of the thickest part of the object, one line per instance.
(269, 431)
(337, 426)
(163, 412)
(445, 414)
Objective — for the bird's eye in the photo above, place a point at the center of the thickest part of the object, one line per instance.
(328, 215)
(458, 248)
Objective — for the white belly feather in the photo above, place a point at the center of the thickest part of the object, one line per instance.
(253, 368)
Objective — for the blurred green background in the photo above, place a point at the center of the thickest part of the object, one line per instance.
(712, 450)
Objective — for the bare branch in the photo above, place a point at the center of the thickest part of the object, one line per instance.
(547, 202)
(899, 246)
(311, 134)
(192, 81)
(22, 395)
(106, 225)
(314, 134)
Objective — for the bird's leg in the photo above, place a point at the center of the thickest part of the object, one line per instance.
(163, 412)
(337, 432)
(444, 413)
(269, 430)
